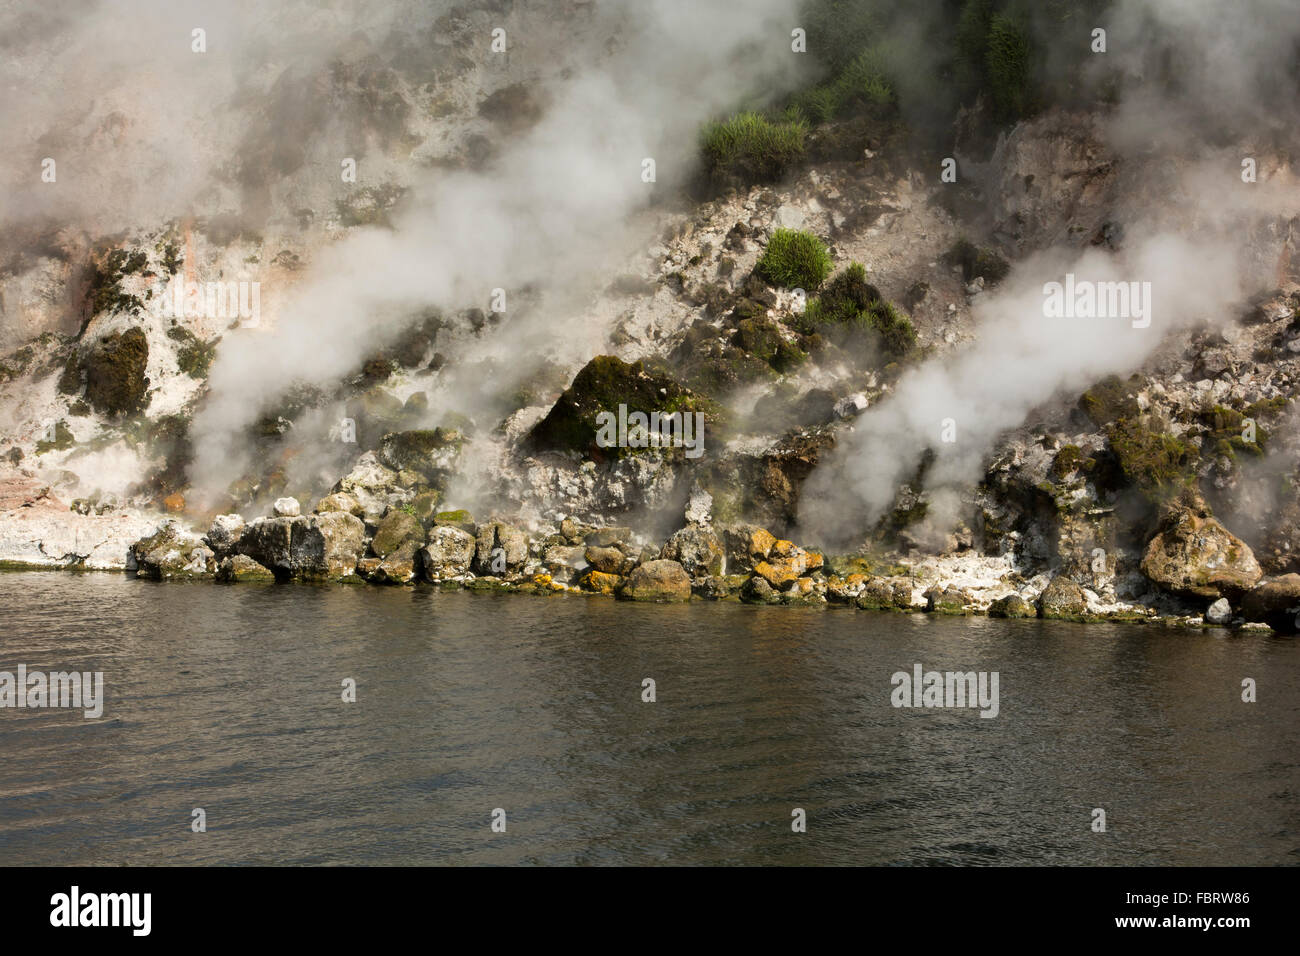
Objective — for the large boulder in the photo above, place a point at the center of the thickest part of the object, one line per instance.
(746, 545)
(502, 549)
(448, 554)
(563, 562)
(1062, 600)
(340, 501)
(1275, 602)
(398, 528)
(608, 560)
(1195, 556)
(1011, 606)
(698, 550)
(171, 552)
(374, 487)
(602, 385)
(659, 581)
(224, 534)
(319, 546)
(785, 562)
(427, 454)
(240, 567)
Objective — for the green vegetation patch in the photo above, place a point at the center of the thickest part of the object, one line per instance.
(751, 148)
(795, 259)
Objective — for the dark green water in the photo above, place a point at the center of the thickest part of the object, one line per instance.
(229, 698)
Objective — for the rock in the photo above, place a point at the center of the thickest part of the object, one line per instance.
(240, 567)
(374, 487)
(564, 562)
(846, 590)
(699, 507)
(602, 385)
(1062, 600)
(609, 560)
(342, 541)
(448, 555)
(851, 406)
(428, 454)
(757, 591)
(287, 508)
(396, 530)
(600, 582)
(698, 550)
(746, 545)
(902, 592)
(573, 532)
(1220, 612)
(946, 600)
(397, 567)
(320, 546)
(659, 581)
(224, 534)
(1275, 602)
(172, 552)
(607, 537)
(877, 594)
(804, 592)
(1011, 606)
(340, 501)
(1195, 556)
(115, 373)
(787, 561)
(456, 519)
(501, 549)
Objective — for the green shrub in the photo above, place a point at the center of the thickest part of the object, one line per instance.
(752, 148)
(795, 260)
(1007, 62)
(850, 301)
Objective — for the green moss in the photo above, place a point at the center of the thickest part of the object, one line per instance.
(602, 385)
(60, 439)
(1109, 400)
(1158, 464)
(460, 515)
(978, 261)
(115, 379)
(762, 339)
(1067, 460)
(794, 259)
(850, 302)
(195, 356)
(105, 292)
(751, 148)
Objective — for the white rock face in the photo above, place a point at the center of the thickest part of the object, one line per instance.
(38, 529)
(287, 507)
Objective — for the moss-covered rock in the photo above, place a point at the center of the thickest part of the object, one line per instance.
(602, 385)
(1011, 606)
(398, 528)
(115, 379)
(1062, 600)
(1194, 555)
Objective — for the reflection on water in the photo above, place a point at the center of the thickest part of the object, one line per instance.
(229, 698)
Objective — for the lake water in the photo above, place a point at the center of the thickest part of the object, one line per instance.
(229, 698)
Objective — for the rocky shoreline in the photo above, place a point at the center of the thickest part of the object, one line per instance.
(340, 542)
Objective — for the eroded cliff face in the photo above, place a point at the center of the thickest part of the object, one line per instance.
(1159, 487)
